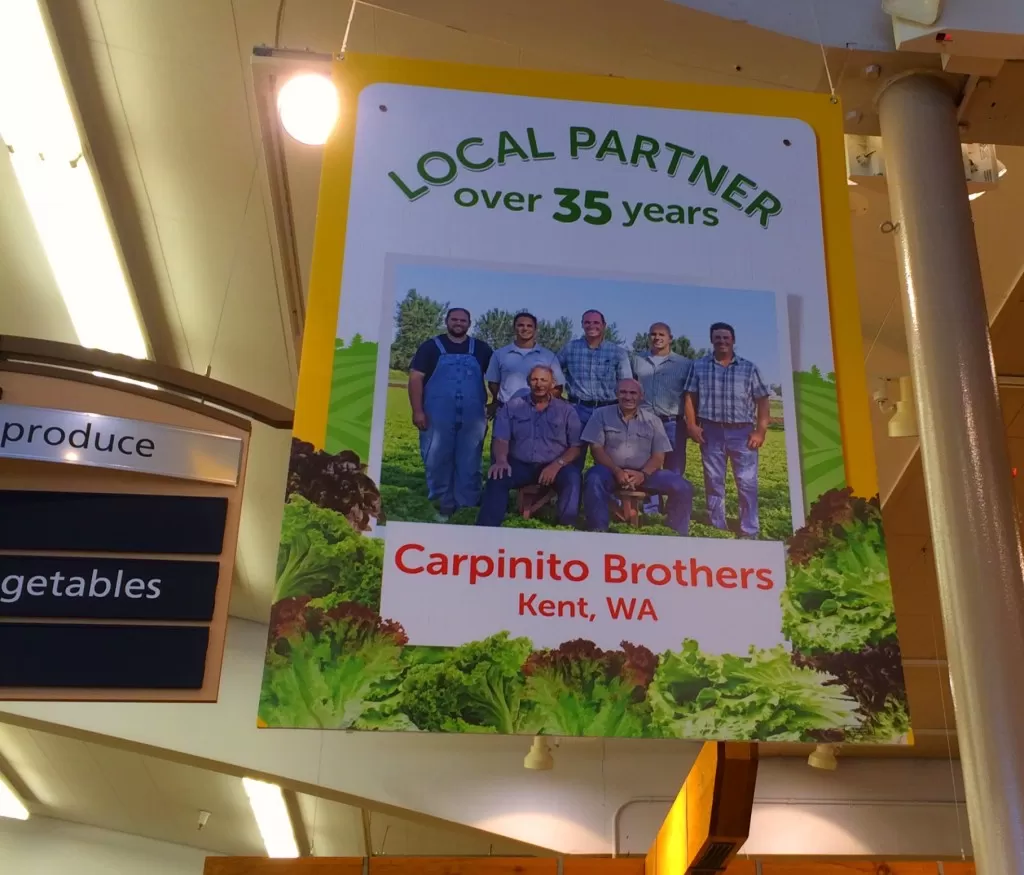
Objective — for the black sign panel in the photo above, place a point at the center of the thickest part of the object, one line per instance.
(106, 589)
(97, 655)
(82, 522)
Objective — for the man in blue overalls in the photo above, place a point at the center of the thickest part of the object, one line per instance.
(449, 407)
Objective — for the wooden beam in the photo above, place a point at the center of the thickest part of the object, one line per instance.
(463, 866)
(67, 356)
(266, 866)
(603, 866)
(850, 867)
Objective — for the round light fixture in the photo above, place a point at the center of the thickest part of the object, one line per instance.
(823, 757)
(308, 105)
(539, 758)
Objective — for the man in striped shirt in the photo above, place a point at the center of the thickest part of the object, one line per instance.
(727, 413)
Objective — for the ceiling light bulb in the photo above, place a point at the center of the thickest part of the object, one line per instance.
(308, 105)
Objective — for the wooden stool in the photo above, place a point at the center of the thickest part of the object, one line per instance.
(629, 506)
(533, 498)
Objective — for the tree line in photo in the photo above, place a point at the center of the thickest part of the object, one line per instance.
(554, 399)
(418, 317)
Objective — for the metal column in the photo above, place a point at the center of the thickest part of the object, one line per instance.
(964, 455)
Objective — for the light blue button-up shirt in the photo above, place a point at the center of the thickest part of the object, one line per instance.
(537, 436)
(511, 365)
(662, 379)
(629, 442)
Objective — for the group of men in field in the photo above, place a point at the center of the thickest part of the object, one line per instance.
(633, 413)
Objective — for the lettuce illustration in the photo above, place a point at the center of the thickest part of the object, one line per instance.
(838, 596)
(838, 612)
(336, 481)
(579, 689)
(320, 555)
(758, 697)
(334, 669)
(476, 687)
(888, 725)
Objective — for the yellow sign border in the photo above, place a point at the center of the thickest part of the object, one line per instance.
(355, 72)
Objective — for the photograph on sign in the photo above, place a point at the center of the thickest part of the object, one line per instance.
(586, 335)
(571, 462)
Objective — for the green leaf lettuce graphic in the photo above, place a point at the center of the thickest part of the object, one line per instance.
(760, 697)
(476, 687)
(838, 596)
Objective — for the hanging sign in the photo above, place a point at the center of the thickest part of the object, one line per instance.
(76, 438)
(582, 442)
(118, 526)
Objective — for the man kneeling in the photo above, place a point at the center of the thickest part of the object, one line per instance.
(536, 438)
(629, 444)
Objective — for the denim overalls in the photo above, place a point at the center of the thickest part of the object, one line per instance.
(452, 445)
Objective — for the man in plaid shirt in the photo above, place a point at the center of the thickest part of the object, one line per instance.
(727, 413)
(592, 367)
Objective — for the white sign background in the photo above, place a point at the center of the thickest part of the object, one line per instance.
(448, 610)
(396, 124)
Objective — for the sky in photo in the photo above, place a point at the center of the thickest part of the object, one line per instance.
(631, 304)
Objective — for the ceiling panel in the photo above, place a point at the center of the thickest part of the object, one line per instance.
(931, 702)
(396, 837)
(334, 829)
(124, 791)
(116, 789)
(927, 745)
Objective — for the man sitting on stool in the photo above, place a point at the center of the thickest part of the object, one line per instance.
(629, 446)
(536, 439)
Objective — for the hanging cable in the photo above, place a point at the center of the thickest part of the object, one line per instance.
(348, 27)
(824, 54)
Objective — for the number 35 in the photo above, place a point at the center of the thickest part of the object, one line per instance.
(598, 212)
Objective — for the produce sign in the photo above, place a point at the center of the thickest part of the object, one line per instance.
(582, 442)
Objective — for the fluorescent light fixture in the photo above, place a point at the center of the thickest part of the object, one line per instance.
(271, 813)
(10, 803)
(130, 380)
(39, 128)
(308, 106)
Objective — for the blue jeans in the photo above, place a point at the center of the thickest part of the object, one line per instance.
(599, 489)
(584, 413)
(451, 453)
(723, 446)
(494, 503)
(452, 445)
(675, 460)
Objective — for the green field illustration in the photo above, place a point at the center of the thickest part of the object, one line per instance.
(350, 413)
(818, 433)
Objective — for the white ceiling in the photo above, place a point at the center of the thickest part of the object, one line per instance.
(112, 788)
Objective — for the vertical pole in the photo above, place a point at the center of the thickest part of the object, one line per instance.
(964, 455)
